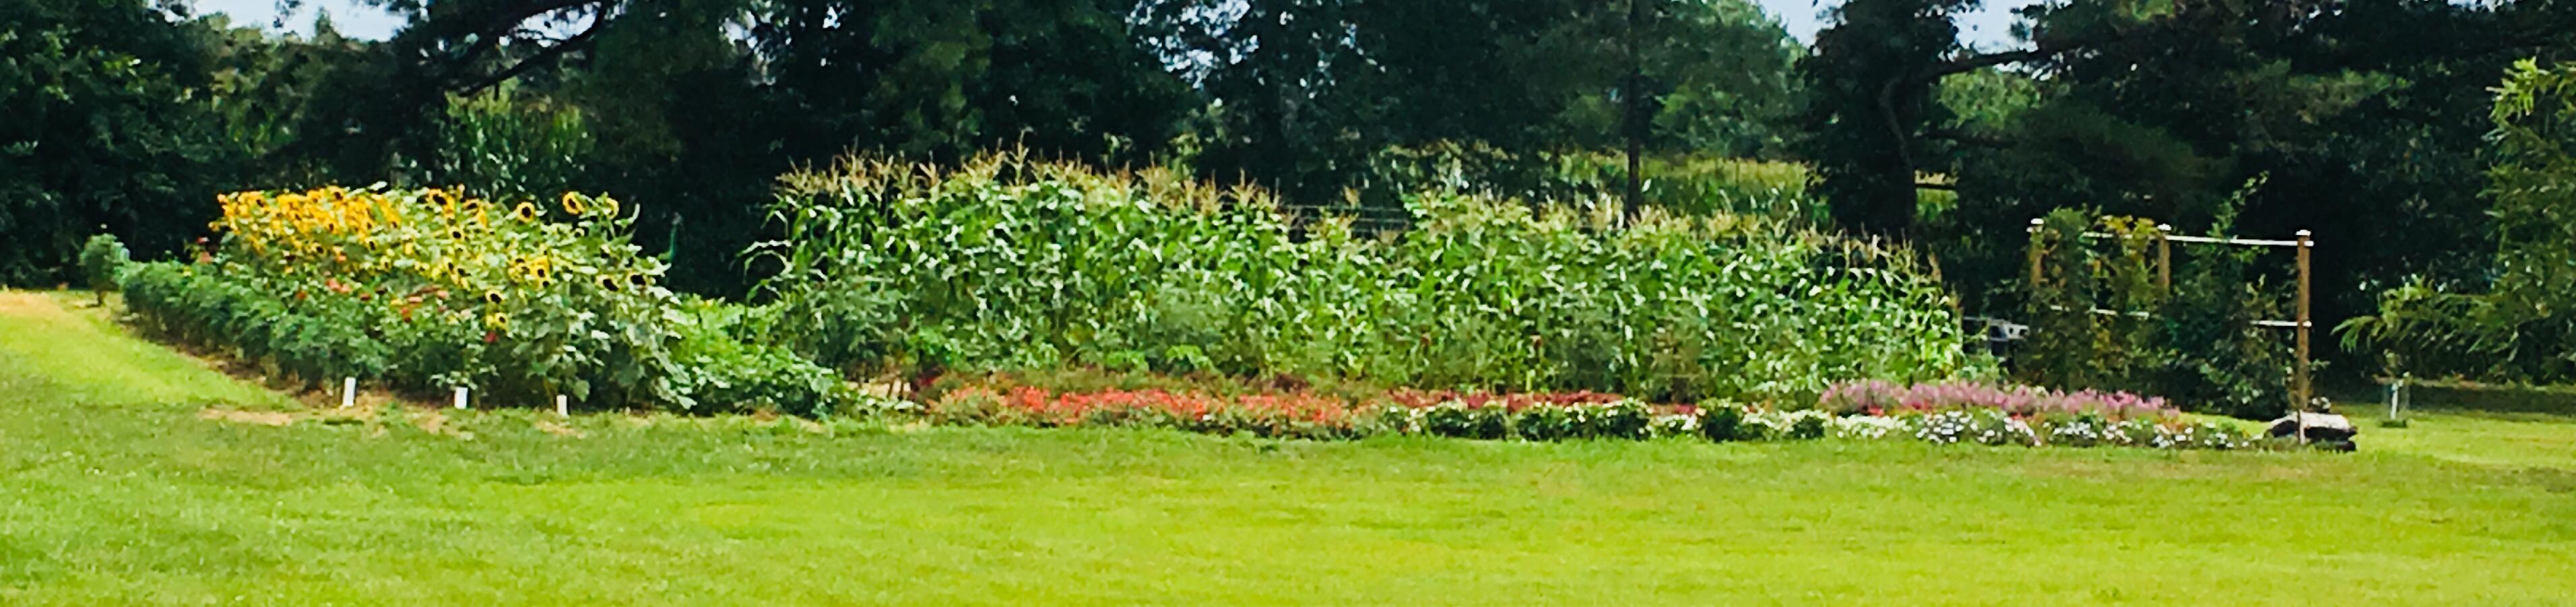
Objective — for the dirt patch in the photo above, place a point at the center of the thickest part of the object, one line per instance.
(264, 418)
(559, 429)
(35, 306)
(431, 422)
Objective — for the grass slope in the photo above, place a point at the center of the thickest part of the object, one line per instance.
(119, 491)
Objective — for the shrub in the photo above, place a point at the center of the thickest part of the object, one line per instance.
(1720, 420)
(1461, 420)
(101, 259)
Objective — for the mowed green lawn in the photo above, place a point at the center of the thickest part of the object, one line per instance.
(118, 489)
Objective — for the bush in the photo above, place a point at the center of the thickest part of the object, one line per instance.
(1721, 420)
(1010, 264)
(101, 259)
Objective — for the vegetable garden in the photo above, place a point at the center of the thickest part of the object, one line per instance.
(1491, 320)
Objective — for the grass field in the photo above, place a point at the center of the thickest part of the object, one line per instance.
(121, 487)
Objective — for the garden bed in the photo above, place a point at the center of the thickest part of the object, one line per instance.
(1943, 413)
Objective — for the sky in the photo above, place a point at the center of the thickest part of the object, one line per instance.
(1990, 28)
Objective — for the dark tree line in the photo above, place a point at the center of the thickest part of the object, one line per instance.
(692, 107)
(2367, 117)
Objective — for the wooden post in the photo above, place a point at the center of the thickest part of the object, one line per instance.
(2306, 389)
(2034, 254)
(1632, 108)
(2164, 258)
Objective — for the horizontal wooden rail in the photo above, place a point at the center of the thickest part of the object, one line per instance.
(2251, 242)
(2143, 314)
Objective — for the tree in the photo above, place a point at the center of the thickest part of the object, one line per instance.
(1304, 93)
(107, 126)
(2519, 329)
(943, 79)
(1871, 79)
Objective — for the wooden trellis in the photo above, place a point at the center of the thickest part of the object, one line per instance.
(2164, 280)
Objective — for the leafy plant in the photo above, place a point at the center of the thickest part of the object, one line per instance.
(101, 259)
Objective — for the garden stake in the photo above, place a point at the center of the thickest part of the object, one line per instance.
(460, 397)
(560, 408)
(348, 392)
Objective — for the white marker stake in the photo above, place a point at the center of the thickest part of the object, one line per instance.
(348, 392)
(560, 408)
(460, 398)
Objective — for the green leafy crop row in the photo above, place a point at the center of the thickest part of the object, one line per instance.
(1007, 263)
(423, 290)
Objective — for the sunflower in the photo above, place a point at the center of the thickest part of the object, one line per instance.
(526, 212)
(572, 204)
(446, 201)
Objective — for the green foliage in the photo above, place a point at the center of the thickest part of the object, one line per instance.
(1721, 420)
(107, 125)
(2100, 320)
(2073, 345)
(1716, 76)
(943, 79)
(1306, 93)
(2204, 349)
(2520, 329)
(1008, 264)
(506, 147)
(1871, 81)
(1695, 185)
(315, 343)
(101, 260)
(424, 290)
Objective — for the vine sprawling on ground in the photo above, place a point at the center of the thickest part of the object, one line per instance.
(1010, 263)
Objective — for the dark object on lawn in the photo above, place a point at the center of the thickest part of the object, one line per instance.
(2326, 430)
